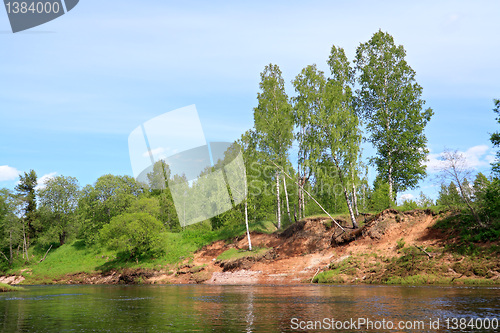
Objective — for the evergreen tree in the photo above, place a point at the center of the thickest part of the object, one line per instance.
(27, 192)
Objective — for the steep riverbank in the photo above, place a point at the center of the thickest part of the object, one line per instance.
(390, 248)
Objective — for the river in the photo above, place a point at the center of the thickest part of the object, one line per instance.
(203, 308)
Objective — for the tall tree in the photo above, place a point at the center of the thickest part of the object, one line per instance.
(309, 86)
(390, 102)
(158, 180)
(325, 108)
(273, 122)
(340, 125)
(26, 191)
(495, 139)
(58, 203)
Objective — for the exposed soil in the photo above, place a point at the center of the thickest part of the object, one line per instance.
(310, 246)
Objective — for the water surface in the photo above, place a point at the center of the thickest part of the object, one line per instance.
(201, 308)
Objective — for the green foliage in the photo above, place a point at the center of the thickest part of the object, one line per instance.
(390, 102)
(425, 201)
(150, 206)
(58, 205)
(26, 191)
(273, 115)
(330, 136)
(159, 189)
(491, 200)
(168, 214)
(449, 197)
(11, 226)
(228, 219)
(380, 198)
(135, 234)
(274, 122)
(465, 227)
(409, 205)
(110, 196)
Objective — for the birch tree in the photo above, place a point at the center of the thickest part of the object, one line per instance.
(274, 123)
(325, 107)
(340, 125)
(391, 104)
(309, 86)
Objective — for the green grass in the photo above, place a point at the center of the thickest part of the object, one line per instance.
(418, 279)
(77, 257)
(5, 287)
(67, 259)
(329, 277)
(465, 227)
(266, 227)
(233, 254)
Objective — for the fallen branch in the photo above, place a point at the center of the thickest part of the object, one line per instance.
(309, 194)
(5, 256)
(315, 275)
(421, 249)
(45, 254)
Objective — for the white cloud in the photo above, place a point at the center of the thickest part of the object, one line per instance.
(405, 197)
(8, 173)
(42, 180)
(476, 157)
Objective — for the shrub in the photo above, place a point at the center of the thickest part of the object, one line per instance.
(133, 233)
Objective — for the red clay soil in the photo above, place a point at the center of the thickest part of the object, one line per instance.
(305, 248)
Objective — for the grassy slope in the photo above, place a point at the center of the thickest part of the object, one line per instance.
(76, 257)
(5, 287)
(233, 254)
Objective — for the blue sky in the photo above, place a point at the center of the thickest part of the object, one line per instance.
(72, 90)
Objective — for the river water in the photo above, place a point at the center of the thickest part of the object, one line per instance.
(203, 308)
